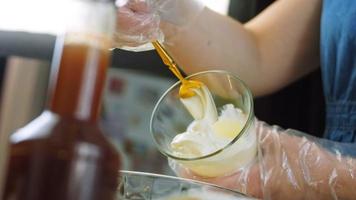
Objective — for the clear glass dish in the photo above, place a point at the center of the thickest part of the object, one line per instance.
(147, 186)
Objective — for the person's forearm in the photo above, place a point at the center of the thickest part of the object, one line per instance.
(344, 183)
(211, 43)
(325, 175)
(269, 52)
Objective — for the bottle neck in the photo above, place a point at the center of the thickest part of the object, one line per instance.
(78, 82)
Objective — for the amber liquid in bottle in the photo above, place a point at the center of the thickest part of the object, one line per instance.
(63, 153)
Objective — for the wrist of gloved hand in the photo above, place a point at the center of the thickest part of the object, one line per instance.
(290, 165)
(140, 21)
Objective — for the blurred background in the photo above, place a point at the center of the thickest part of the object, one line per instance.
(135, 82)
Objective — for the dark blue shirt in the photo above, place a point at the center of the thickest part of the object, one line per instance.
(338, 61)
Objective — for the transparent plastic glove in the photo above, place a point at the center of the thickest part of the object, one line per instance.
(291, 165)
(140, 21)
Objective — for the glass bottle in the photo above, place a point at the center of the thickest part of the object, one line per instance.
(63, 154)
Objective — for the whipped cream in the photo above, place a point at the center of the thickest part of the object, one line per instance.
(209, 131)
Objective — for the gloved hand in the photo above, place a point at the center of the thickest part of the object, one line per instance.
(140, 21)
(291, 165)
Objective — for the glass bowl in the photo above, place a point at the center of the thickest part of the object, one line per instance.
(170, 118)
(147, 186)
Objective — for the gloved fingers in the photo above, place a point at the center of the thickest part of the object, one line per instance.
(292, 165)
(245, 180)
(139, 21)
(136, 24)
(131, 22)
(179, 12)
